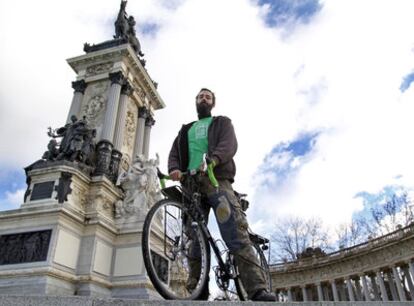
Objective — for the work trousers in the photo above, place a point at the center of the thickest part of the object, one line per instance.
(233, 227)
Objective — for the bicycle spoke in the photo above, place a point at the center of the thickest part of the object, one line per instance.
(166, 248)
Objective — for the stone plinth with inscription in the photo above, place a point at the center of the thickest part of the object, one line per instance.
(78, 230)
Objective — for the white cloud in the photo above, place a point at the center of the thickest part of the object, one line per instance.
(339, 74)
(12, 200)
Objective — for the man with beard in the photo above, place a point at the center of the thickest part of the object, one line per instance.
(215, 137)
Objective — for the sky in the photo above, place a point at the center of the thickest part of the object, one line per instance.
(320, 92)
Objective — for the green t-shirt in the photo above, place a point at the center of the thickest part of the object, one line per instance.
(198, 142)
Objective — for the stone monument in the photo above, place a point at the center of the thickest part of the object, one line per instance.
(78, 230)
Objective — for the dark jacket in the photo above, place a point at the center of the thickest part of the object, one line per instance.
(222, 146)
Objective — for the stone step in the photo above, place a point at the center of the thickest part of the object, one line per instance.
(8, 300)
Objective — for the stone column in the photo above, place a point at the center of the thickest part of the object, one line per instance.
(75, 107)
(392, 286)
(289, 294)
(116, 156)
(409, 281)
(304, 294)
(126, 91)
(320, 292)
(149, 122)
(334, 291)
(374, 287)
(326, 293)
(350, 290)
(411, 265)
(384, 295)
(117, 79)
(358, 291)
(295, 294)
(342, 293)
(400, 289)
(105, 145)
(365, 287)
(139, 137)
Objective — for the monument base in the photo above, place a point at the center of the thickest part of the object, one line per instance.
(65, 240)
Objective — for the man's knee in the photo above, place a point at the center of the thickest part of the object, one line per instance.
(231, 220)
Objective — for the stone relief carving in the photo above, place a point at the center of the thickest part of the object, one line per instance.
(93, 109)
(140, 184)
(130, 127)
(79, 196)
(139, 91)
(24, 247)
(125, 162)
(94, 104)
(99, 201)
(99, 68)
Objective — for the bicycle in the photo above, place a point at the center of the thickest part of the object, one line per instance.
(167, 245)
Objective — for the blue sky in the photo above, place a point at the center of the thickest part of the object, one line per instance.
(406, 83)
(286, 159)
(12, 182)
(321, 90)
(281, 13)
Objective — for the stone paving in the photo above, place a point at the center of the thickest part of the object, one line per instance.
(6, 300)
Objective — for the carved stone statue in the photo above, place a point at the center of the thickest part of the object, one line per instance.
(121, 23)
(52, 150)
(125, 29)
(140, 184)
(77, 142)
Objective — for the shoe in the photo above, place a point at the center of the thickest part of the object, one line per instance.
(264, 296)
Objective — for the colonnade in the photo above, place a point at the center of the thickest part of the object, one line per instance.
(391, 283)
(381, 269)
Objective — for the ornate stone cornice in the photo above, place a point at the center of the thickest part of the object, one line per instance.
(127, 89)
(117, 77)
(79, 86)
(126, 55)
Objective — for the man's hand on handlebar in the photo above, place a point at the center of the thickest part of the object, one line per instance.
(176, 175)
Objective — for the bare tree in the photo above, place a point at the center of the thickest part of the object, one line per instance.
(292, 236)
(352, 233)
(395, 212)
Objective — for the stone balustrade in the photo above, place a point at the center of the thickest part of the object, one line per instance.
(381, 269)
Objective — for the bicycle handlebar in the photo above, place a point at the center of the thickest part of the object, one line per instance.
(210, 172)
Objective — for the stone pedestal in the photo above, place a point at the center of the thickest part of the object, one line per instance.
(64, 239)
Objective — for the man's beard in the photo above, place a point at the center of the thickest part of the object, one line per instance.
(204, 110)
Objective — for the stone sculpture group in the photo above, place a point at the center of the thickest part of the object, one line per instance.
(77, 143)
(139, 184)
(141, 187)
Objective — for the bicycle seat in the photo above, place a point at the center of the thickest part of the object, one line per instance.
(257, 239)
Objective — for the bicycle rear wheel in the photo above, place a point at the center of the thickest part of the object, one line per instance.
(241, 291)
(169, 242)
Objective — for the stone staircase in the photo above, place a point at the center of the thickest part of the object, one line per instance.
(8, 300)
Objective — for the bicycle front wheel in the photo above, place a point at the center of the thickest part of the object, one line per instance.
(175, 252)
(241, 291)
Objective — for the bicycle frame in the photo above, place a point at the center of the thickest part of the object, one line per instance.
(197, 215)
(188, 194)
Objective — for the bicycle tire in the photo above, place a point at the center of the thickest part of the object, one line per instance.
(165, 247)
(241, 291)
